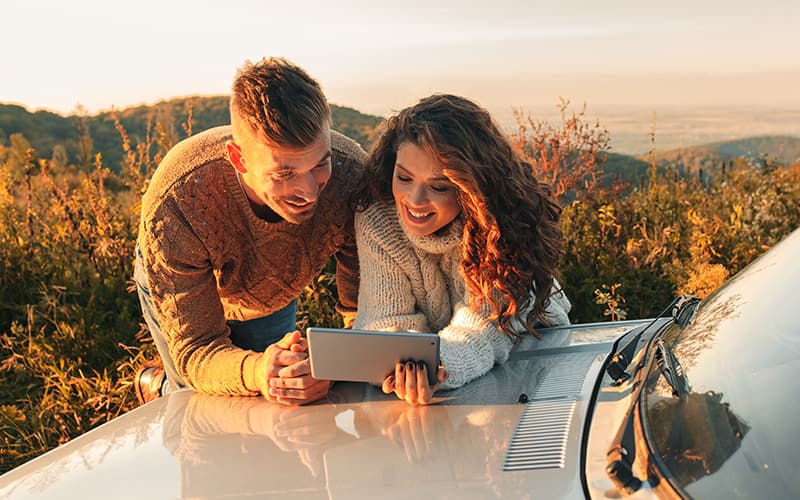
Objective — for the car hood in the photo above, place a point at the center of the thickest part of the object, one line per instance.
(515, 432)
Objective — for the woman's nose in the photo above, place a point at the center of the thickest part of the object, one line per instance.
(417, 196)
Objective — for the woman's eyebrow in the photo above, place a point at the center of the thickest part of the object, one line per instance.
(441, 178)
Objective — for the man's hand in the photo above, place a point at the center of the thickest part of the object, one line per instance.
(290, 350)
(294, 385)
(282, 374)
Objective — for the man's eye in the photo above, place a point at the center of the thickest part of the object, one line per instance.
(281, 176)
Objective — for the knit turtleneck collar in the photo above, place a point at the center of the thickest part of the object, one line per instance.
(437, 243)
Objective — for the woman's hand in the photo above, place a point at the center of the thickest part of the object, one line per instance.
(410, 382)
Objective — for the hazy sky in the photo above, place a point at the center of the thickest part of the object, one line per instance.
(378, 56)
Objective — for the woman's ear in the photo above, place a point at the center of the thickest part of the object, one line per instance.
(235, 155)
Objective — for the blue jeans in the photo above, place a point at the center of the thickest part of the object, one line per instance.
(255, 334)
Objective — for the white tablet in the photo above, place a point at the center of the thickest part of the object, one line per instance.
(368, 356)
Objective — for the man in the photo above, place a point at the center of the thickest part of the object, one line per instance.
(235, 223)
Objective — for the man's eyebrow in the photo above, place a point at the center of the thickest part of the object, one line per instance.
(283, 168)
(441, 178)
(325, 157)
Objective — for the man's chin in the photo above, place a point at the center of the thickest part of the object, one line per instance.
(298, 216)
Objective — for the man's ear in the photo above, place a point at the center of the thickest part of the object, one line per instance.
(235, 154)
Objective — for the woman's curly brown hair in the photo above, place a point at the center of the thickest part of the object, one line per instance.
(512, 237)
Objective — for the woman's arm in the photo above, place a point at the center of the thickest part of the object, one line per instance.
(470, 345)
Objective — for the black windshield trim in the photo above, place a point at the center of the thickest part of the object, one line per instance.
(683, 309)
(621, 455)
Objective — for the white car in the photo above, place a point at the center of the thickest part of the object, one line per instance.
(701, 403)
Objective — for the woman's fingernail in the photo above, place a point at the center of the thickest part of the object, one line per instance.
(420, 366)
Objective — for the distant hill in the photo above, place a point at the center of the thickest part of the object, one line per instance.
(784, 150)
(777, 150)
(781, 151)
(620, 167)
(45, 130)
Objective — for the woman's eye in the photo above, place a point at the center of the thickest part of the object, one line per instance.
(403, 178)
(441, 189)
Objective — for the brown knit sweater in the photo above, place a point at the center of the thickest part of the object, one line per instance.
(209, 258)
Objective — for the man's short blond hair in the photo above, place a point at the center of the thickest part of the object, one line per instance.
(280, 103)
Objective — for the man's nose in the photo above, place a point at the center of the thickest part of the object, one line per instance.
(306, 186)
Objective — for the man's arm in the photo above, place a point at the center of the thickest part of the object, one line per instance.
(191, 316)
(188, 307)
(347, 278)
(189, 310)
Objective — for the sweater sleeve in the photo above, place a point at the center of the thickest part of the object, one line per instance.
(347, 282)
(347, 277)
(470, 345)
(385, 298)
(188, 306)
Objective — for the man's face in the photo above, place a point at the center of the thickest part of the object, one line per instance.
(286, 180)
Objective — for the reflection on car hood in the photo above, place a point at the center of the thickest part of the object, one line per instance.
(490, 438)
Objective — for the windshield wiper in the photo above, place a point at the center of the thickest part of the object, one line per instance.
(671, 369)
(622, 453)
(683, 308)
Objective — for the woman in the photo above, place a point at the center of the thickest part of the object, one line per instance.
(455, 235)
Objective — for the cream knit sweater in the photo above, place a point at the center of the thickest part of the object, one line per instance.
(413, 283)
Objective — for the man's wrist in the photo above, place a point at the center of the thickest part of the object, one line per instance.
(250, 373)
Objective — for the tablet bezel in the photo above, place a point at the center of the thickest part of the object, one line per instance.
(366, 355)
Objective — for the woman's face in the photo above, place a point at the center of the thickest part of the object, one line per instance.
(426, 200)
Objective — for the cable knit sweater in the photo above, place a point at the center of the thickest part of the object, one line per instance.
(414, 283)
(209, 258)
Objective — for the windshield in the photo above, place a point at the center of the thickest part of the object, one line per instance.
(733, 431)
